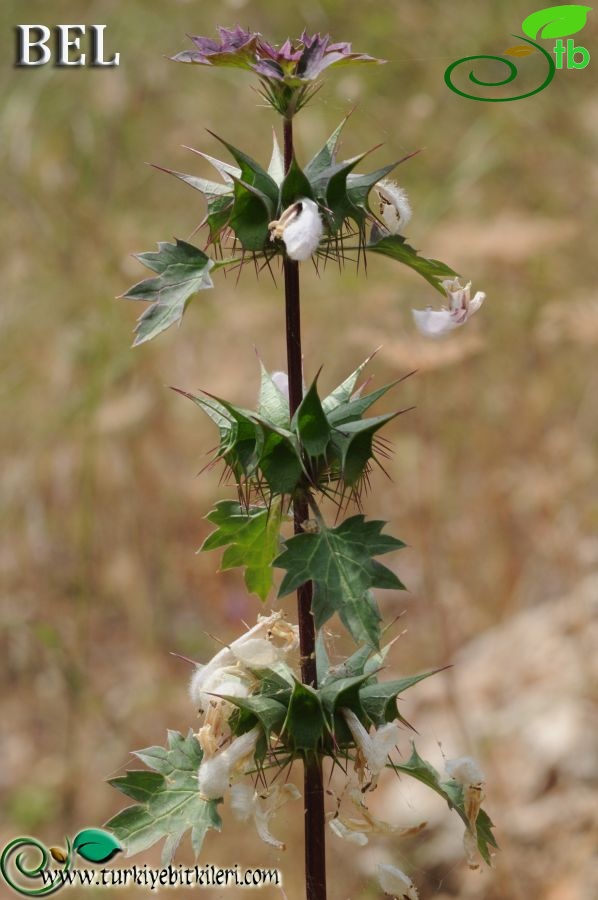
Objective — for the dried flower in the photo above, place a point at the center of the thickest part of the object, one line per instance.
(246, 803)
(466, 772)
(215, 773)
(437, 322)
(347, 833)
(393, 205)
(396, 884)
(300, 227)
(281, 380)
(372, 750)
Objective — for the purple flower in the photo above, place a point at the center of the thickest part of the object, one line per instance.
(294, 63)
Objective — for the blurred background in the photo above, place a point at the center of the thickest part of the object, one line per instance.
(493, 474)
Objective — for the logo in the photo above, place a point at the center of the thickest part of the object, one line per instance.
(553, 22)
(17, 868)
(33, 48)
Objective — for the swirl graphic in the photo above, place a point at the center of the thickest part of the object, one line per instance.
(510, 77)
(28, 871)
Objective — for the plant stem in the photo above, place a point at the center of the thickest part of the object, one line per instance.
(315, 844)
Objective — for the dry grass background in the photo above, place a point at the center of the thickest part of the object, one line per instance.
(494, 473)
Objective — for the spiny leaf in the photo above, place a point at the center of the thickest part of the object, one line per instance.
(171, 803)
(395, 246)
(304, 724)
(253, 538)
(204, 185)
(311, 423)
(182, 270)
(340, 563)
(452, 793)
(326, 156)
(268, 712)
(353, 443)
(556, 21)
(380, 699)
(272, 404)
(295, 186)
(342, 393)
(352, 410)
(250, 216)
(251, 172)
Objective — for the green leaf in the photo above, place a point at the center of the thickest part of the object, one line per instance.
(333, 183)
(269, 713)
(311, 423)
(219, 213)
(359, 186)
(326, 155)
(556, 21)
(452, 793)
(272, 404)
(182, 270)
(304, 723)
(204, 185)
(250, 216)
(280, 463)
(340, 563)
(353, 442)
(251, 172)
(295, 186)
(395, 246)
(96, 845)
(253, 538)
(337, 693)
(171, 803)
(342, 394)
(379, 700)
(354, 409)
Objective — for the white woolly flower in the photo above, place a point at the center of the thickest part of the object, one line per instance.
(393, 205)
(437, 322)
(372, 750)
(464, 770)
(396, 884)
(247, 803)
(205, 678)
(300, 227)
(215, 773)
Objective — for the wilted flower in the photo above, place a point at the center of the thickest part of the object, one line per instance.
(372, 750)
(300, 227)
(436, 322)
(356, 829)
(396, 884)
(466, 772)
(393, 205)
(351, 835)
(215, 773)
(230, 673)
(246, 803)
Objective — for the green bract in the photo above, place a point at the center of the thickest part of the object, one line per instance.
(239, 210)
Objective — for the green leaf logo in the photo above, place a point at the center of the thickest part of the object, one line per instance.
(95, 845)
(556, 21)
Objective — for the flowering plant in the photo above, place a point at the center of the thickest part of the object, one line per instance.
(298, 447)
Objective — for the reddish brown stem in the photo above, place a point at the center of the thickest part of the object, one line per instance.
(315, 844)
